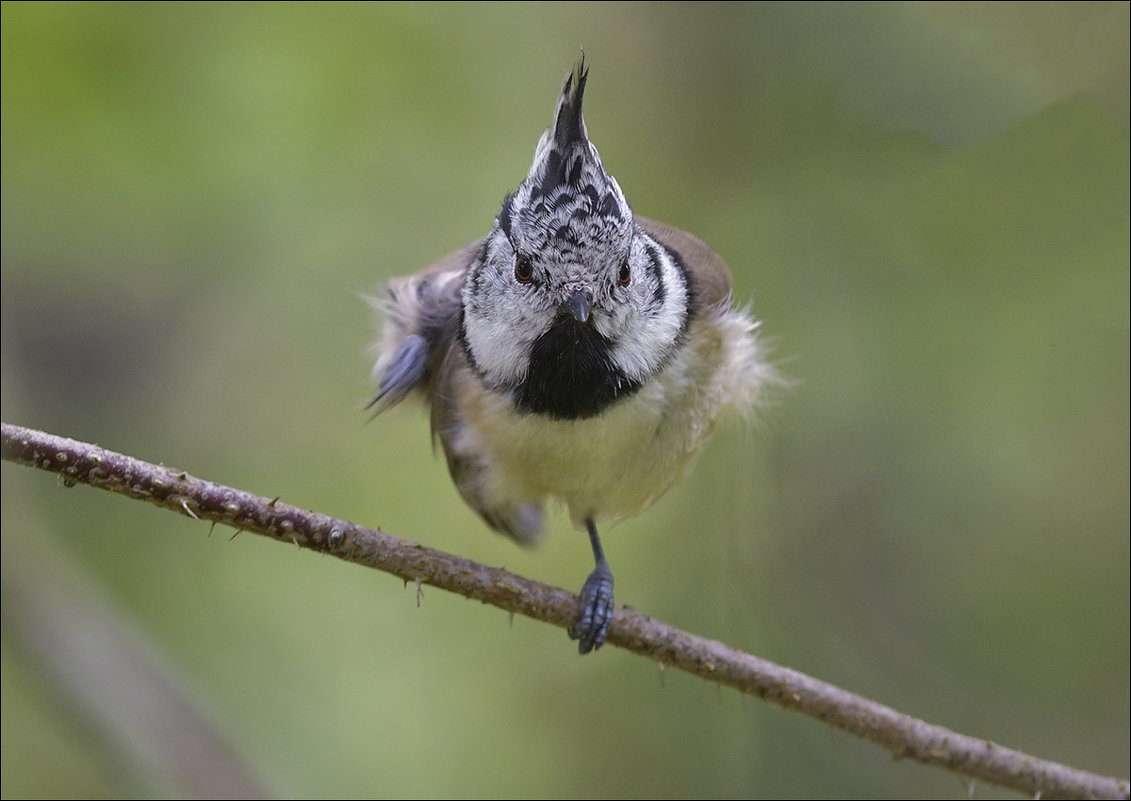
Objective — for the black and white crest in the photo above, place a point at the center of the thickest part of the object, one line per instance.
(570, 306)
(567, 198)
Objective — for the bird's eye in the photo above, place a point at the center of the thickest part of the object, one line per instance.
(624, 275)
(523, 270)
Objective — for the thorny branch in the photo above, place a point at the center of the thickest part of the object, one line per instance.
(906, 737)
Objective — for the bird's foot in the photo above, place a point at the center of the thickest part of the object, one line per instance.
(592, 626)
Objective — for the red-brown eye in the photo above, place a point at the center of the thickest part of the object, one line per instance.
(523, 270)
(624, 275)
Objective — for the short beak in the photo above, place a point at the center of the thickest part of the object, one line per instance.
(578, 305)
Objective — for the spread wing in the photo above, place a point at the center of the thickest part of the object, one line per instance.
(421, 313)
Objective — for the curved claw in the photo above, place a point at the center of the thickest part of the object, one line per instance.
(592, 626)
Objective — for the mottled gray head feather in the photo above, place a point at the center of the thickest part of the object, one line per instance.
(567, 200)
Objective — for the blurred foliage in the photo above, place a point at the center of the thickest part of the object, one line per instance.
(929, 204)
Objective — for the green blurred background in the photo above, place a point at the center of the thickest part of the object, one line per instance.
(928, 205)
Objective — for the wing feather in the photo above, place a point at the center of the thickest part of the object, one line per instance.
(421, 312)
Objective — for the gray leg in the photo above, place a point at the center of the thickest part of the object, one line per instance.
(592, 625)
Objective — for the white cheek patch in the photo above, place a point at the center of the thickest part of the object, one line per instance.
(648, 336)
(500, 341)
(492, 351)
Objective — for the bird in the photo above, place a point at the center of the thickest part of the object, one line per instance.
(577, 353)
